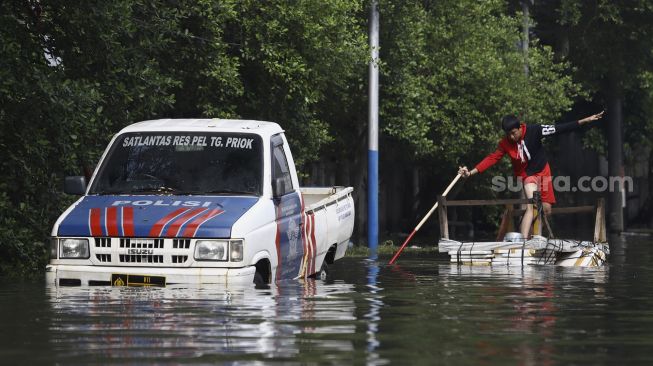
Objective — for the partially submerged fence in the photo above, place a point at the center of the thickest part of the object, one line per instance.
(510, 211)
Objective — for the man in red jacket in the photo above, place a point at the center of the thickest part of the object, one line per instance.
(529, 162)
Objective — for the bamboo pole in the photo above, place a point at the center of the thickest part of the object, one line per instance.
(426, 217)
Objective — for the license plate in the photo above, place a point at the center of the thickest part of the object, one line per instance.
(137, 280)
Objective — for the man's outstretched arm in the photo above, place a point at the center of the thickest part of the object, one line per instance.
(550, 130)
(486, 163)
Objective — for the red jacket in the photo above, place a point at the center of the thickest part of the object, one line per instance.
(505, 147)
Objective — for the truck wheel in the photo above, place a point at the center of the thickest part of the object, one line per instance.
(259, 281)
(262, 274)
(324, 271)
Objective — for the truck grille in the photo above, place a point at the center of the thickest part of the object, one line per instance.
(142, 243)
(180, 243)
(141, 251)
(104, 258)
(179, 258)
(102, 242)
(141, 258)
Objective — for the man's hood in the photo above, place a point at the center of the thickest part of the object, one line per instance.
(155, 216)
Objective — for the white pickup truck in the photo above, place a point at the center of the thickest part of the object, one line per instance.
(197, 201)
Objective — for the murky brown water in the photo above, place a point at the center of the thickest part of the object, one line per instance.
(417, 312)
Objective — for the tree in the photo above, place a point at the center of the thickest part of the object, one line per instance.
(453, 68)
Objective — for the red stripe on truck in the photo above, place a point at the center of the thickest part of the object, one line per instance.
(95, 222)
(128, 221)
(313, 244)
(157, 229)
(191, 229)
(174, 228)
(112, 221)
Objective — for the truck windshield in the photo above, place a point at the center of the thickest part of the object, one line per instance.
(182, 163)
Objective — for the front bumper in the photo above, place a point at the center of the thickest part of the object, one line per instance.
(101, 275)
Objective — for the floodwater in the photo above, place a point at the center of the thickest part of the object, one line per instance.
(420, 311)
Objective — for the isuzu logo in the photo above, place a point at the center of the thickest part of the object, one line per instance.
(136, 251)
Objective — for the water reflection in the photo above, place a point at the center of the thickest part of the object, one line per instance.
(524, 302)
(373, 315)
(203, 323)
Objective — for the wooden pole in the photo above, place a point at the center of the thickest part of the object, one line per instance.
(444, 219)
(506, 223)
(394, 258)
(599, 224)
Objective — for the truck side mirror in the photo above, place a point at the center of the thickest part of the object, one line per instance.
(75, 185)
(278, 186)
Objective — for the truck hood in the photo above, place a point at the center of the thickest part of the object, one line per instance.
(155, 216)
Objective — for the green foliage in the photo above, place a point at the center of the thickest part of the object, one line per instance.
(388, 249)
(453, 68)
(42, 119)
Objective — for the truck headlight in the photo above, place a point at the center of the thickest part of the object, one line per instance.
(236, 250)
(211, 250)
(73, 248)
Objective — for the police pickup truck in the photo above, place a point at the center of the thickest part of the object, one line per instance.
(197, 201)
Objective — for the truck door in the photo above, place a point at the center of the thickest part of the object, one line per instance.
(289, 208)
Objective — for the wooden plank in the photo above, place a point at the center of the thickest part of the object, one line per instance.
(599, 224)
(442, 216)
(604, 233)
(506, 223)
(517, 201)
(572, 210)
(536, 227)
(509, 201)
(562, 210)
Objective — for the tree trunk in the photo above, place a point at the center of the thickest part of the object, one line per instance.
(416, 194)
(615, 155)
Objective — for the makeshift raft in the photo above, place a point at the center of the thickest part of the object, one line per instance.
(538, 250)
(512, 250)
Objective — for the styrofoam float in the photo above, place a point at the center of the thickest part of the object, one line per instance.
(538, 250)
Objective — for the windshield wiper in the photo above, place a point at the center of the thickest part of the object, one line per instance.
(110, 191)
(173, 191)
(155, 190)
(231, 191)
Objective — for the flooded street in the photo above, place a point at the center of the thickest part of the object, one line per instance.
(420, 311)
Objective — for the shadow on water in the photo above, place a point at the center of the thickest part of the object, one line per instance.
(419, 311)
